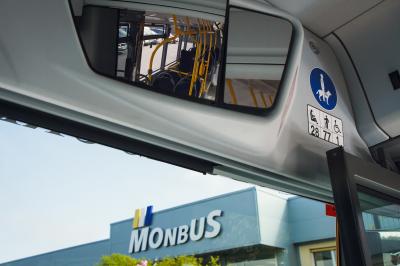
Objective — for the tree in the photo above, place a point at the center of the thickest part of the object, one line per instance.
(124, 260)
(118, 260)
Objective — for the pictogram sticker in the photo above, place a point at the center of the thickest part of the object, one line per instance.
(323, 89)
(325, 126)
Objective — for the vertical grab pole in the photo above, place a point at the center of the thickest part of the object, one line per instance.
(271, 99)
(231, 91)
(253, 95)
(204, 45)
(204, 84)
(178, 50)
(263, 99)
(176, 28)
(215, 39)
(202, 55)
(187, 21)
(196, 61)
(211, 48)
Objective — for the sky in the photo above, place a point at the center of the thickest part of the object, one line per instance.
(57, 192)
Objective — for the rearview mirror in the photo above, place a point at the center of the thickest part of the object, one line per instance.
(118, 96)
(257, 49)
(182, 56)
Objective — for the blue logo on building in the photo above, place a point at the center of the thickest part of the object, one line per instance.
(143, 217)
(323, 89)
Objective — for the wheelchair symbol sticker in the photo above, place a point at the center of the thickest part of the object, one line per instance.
(325, 126)
(323, 89)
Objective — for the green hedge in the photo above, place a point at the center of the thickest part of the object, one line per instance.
(124, 260)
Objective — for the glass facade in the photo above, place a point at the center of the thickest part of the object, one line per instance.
(381, 219)
(262, 262)
(325, 258)
(252, 256)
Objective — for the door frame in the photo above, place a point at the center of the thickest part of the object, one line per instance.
(348, 173)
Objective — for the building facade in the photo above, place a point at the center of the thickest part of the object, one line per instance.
(247, 227)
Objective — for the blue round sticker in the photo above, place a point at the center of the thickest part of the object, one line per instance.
(323, 89)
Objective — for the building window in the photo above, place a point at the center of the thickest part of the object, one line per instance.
(258, 255)
(318, 254)
(325, 258)
(264, 262)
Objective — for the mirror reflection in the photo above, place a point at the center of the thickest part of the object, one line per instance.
(168, 53)
(257, 49)
(182, 54)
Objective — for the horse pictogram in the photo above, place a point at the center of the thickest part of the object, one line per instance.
(323, 88)
(323, 94)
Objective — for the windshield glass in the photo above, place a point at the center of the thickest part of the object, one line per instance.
(79, 203)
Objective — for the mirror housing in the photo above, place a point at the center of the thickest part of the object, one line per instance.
(257, 48)
(274, 149)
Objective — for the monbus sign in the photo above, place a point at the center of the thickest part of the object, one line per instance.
(144, 237)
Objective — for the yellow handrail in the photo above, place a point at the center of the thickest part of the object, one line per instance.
(150, 70)
(253, 95)
(178, 33)
(196, 61)
(204, 34)
(231, 90)
(204, 83)
(201, 65)
(176, 28)
(263, 99)
(179, 72)
(187, 23)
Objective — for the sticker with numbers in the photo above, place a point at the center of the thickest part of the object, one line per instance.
(324, 126)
